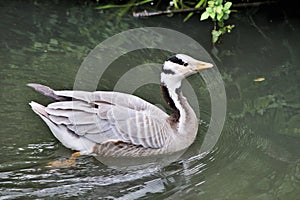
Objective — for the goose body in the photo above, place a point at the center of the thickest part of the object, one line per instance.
(114, 124)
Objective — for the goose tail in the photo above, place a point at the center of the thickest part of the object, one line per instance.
(62, 133)
(47, 91)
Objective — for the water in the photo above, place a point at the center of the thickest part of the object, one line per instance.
(257, 156)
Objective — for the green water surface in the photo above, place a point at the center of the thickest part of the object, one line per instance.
(257, 156)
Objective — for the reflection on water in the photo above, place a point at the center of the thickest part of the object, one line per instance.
(257, 156)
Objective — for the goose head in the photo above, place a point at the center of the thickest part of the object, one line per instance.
(178, 67)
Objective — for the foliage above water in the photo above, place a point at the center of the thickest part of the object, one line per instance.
(218, 13)
(216, 10)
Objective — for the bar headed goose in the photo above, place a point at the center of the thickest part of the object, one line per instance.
(116, 124)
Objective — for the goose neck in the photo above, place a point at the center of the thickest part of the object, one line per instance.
(177, 102)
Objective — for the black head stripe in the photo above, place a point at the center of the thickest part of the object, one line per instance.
(176, 60)
(168, 71)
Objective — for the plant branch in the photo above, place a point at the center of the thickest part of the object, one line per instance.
(145, 13)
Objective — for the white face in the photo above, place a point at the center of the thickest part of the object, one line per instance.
(181, 66)
(178, 67)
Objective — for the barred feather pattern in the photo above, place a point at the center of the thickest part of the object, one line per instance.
(117, 124)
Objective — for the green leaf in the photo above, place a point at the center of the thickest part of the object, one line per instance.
(227, 11)
(204, 16)
(175, 4)
(199, 4)
(212, 15)
(229, 28)
(188, 16)
(209, 10)
(211, 3)
(219, 9)
(227, 5)
(215, 35)
(225, 16)
(219, 16)
(109, 6)
(221, 23)
(223, 30)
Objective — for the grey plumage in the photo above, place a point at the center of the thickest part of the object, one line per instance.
(117, 124)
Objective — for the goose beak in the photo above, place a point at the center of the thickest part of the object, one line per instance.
(202, 65)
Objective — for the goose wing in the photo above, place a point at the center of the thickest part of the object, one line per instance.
(111, 116)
